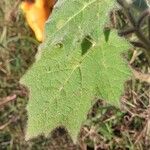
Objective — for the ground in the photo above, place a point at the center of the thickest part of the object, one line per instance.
(106, 127)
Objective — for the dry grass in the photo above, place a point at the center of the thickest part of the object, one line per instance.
(106, 127)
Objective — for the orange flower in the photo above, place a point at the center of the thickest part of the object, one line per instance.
(36, 14)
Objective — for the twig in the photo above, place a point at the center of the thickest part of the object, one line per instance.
(7, 99)
(142, 17)
(13, 119)
(127, 31)
(141, 76)
(134, 56)
(4, 125)
(137, 44)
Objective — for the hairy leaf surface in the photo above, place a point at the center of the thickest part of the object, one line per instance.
(74, 65)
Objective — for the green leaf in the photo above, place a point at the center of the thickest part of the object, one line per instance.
(74, 65)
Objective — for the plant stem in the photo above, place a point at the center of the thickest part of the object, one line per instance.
(136, 25)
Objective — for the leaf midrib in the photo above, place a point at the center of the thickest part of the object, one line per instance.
(76, 14)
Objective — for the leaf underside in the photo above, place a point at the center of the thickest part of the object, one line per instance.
(74, 65)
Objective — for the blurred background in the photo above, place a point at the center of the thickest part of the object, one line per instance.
(106, 127)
